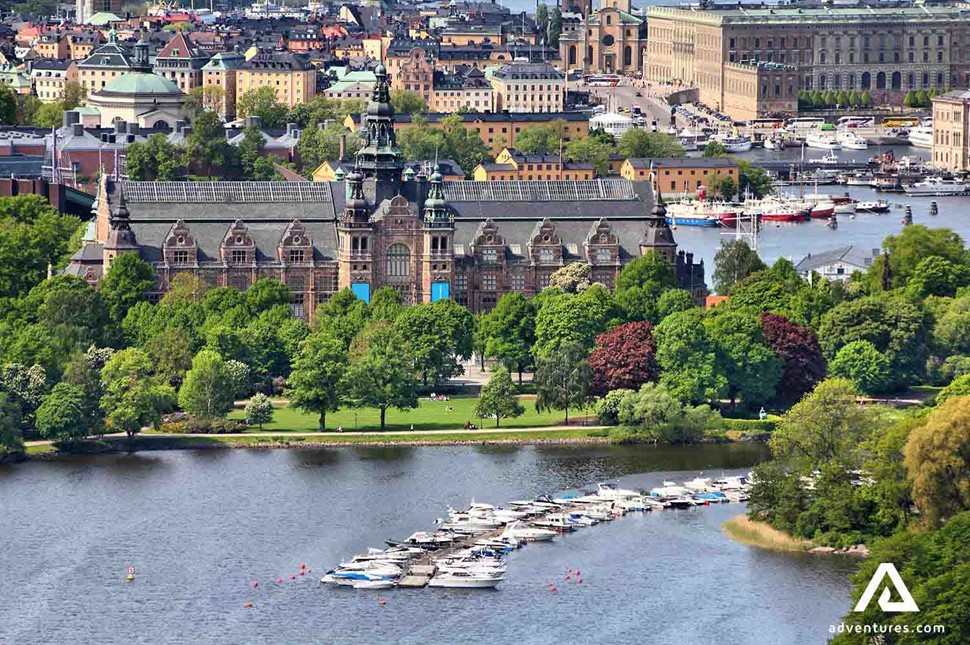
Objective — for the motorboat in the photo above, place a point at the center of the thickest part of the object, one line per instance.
(343, 578)
(858, 179)
(873, 206)
(822, 141)
(712, 497)
(423, 540)
(846, 208)
(699, 484)
(558, 522)
(527, 533)
(670, 490)
(612, 491)
(830, 159)
(922, 136)
(680, 502)
(374, 584)
(466, 580)
(851, 141)
(690, 140)
(938, 187)
(821, 208)
(734, 143)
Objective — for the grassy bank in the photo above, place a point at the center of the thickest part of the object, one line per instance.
(762, 534)
(429, 415)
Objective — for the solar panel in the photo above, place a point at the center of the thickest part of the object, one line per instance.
(539, 191)
(227, 192)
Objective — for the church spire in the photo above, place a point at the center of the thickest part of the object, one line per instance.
(658, 237)
(436, 211)
(381, 160)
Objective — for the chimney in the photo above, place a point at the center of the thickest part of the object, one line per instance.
(254, 121)
(179, 125)
(187, 130)
(343, 147)
(78, 130)
(291, 129)
(120, 127)
(71, 117)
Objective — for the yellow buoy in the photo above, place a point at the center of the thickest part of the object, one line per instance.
(130, 577)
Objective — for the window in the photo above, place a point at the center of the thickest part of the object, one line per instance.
(295, 256)
(461, 282)
(603, 255)
(546, 256)
(518, 282)
(238, 256)
(398, 259)
(180, 256)
(489, 282)
(490, 256)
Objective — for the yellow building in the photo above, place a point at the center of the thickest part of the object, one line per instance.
(679, 174)
(610, 40)
(528, 87)
(454, 92)
(105, 64)
(221, 71)
(337, 170)
(511, 165)
(49, 77)
(951, 130)
(291, 75)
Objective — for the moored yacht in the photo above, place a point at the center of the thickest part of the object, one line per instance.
(466, 579)
(938, 187)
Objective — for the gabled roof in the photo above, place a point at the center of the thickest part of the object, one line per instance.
(851, 255)
(180, 48)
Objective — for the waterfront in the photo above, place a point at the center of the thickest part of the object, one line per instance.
(199, 526)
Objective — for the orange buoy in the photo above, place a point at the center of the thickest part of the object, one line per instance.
(381, 602)
(247, 604)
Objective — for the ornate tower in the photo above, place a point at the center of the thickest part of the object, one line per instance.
(658, 237)
(121, 239)
(356, 234)
(381, 161)
(437, 266)
(141, 62)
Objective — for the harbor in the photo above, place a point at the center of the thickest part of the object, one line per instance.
(468, 549)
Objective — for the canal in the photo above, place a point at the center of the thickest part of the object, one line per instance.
(200, 526)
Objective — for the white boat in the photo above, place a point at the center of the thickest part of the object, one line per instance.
(821, 141)
(938, 187)
(829, 159)
(873, 206)
(699, 484)
(734, 143)
(466, 580)
(851, 141)
(670, 490)
(527, 533)
(373, 584)
(611, 491)
(846, 208)
(858, 179)
(922, 136)
(690, 140)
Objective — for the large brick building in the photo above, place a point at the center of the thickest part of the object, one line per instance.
(381, 226)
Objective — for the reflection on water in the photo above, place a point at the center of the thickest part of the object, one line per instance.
(199, 526)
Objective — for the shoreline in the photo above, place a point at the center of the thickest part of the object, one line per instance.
(762, 535)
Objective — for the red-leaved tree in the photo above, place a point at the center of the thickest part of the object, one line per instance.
(623, 358)
(800, 354)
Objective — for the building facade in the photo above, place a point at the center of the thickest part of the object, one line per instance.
(50, 76)
(382, 226)
(512, 165)
(884, 49)
(291, 75)
(105, 64)
(951, 131)
(528, 87)
(220, 72)
(181, 62)
(610, 40)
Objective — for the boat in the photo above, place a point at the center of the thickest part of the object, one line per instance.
(774, 143)
(734, 143)
(466, 580)
(373, 584)
(873, 206)
(851, 141)
(713, 497)
(846, 208)
(699, 484)
(858, 179)
(690, 140)
(611, 491)
(352, 578)
(527, 533)
(938, 187)
(830, 159)
(772, 209)
(922, 136)
(670, 490)
(821, 209)
(821, 141)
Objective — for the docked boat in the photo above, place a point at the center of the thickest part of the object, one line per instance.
(699, 484)
(734, 143)
(858, 179)
(699, 212)
(851, 141)
(527, 533)
(772, 209)
(938, 187)
(690, 140)
(873, 206)
(774, 143)
(612, 491)
(922, 136)
(374, 584)
(822, 141)
(830, 159)
(846, 208)
(466, 580)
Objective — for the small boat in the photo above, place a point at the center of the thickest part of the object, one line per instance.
(873, 206)
(858, 179)
(821, 141)
(373, 584)
(922, 136)
(734, 143)
(851, 141)
(611, 491)
(527, 533)
(938, 187)
(830, 159)
(466, 580)
(846, 208)
(699, 484)
(714, 497)
(774, 143)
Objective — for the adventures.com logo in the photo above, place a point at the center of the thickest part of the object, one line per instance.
(905, 604)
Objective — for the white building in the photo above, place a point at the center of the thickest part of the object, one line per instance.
(837, 264)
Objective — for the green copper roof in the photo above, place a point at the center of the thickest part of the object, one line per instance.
(224, 60)
(141, 83)
(103, 18)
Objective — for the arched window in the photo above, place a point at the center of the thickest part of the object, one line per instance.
(627, 55)
(897, 81)
(866, 80)
(881, 81)
(398, 261)
(572, 54)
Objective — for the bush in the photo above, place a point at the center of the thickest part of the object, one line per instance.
(751, 426)
(608, 408)
(182, 423)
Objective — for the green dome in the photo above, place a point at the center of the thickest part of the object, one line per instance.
(141, 83)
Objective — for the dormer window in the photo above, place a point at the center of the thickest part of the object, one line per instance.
(238, 256)
(490, 255)
(547, 256)
(180, 257)
(296, 256)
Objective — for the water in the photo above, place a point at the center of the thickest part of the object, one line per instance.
(200, 526)
(795, 241)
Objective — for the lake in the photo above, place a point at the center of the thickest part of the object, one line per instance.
(200, 526)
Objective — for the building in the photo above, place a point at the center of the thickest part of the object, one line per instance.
(140, 96)
(512, 165)
(886, 49)
(83, 43)
(496, 130)
(86, 9)
(680, 174)
(221, 72)
(610, 40)
(105, 64)
(416, 74)
(15, 78)
(181, 62)
(49, 77)
(427, 238)
(838, 264)
(528, 87)
(338, 170)
(53, 44)
(951, 130)
(467, 88)
(291, 75)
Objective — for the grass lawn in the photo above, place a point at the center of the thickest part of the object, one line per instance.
(429, 415)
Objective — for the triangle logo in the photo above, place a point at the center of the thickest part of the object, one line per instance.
(906, 604)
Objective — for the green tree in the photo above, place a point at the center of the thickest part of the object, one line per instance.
(562, 379)
(26, 388)
(343, 316)
(733, 262)
(938, 464)
(639, 143)
(128, 281)
(8, 106)
(32, 235)
(408, 102)
(865, 100)
(910, 99)
(206, 391)
(134, 396)
(715, 149)
(640, 284)
(249, 150)
(60, 418)
(922, 99)
(259, 410)
(262, 102)
(722, 186)
(316, 384)
(380, 372)
(84, 372)
(498, 399)
(960, 387)
(322, 108)
(656, 414)
(575, 319)
(170, 351)
(572, 278)
(913, 245)
(542, 19)
(318, 144)
(461, 144)
(555, 27)
(750, 366)
(827, 424)
(509, 330)
(11, 439)
(854, 99)
(753, 179)
(208, 147)
(591, 150)
(541, 138)
(205, 98)
(936, 276)
(155, 160)
(437, 337)
(688, 359)
(863, 364)
(385, 304)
